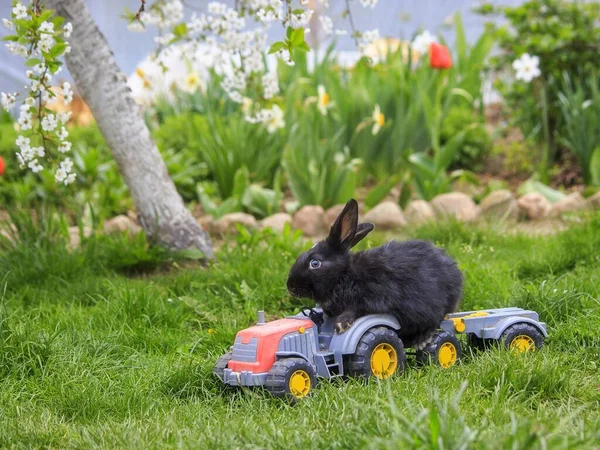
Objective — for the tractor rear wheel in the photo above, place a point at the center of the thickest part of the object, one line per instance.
(379, 353)
(293, 378)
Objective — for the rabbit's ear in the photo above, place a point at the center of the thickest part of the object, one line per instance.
(361, 232)
(344, 229)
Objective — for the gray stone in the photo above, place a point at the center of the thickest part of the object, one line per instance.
(593, 202)
(534, 206)
(276, 222)
(310, 220)
(419, 211)
(456, 205)
(386, 216)
(227, 223)
(75, 236)
(121, 224)
(572, 202)
(500, 204)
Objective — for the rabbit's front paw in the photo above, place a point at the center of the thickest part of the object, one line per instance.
(345, 321)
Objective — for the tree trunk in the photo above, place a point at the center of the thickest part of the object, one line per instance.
(103, 86)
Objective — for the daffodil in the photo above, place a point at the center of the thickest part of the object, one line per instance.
(273, 119)
(527, 67)
(378, 120)
(323, 103)
(191, 82)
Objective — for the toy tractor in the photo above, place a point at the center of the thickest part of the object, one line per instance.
(286, 356)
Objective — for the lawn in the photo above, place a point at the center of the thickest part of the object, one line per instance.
(112, 345)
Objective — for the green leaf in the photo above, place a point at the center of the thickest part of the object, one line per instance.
(58, 49)
(304, 47)
(45, 15)
(461, 40)
(58, 21)
(11, 37)
(33, 62)
(595, 167)
(276, 46)
(180, 30)
(379, 192)
(241, 181)
(445, 156)
(535, 186)
(191, 253)
(423, 163)
(288, 32)
(297, 37)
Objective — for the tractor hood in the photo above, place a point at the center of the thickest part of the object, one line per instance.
(255, 347)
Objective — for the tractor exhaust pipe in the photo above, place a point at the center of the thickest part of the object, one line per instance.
(261, 318)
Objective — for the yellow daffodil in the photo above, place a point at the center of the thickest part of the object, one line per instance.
(323, 103)
(192, 82)
(378, 120)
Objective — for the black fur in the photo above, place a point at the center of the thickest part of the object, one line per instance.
(414, 280)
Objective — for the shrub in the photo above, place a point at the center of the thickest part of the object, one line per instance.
(477, 141)
(565, 35)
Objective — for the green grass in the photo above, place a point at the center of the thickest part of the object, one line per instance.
(112, 345)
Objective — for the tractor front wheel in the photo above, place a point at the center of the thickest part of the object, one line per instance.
(293, 378)
(522, 337)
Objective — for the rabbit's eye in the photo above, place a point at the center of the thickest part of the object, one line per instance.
(315, 263)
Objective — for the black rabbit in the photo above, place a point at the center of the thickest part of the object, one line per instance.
(414, 280)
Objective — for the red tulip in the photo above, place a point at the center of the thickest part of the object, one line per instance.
(1, 166)
(439, 56)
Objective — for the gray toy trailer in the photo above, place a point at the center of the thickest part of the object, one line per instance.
(287, 355)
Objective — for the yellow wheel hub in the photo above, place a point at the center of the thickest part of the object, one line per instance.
(384, 361)
(523, 343)
(447, 355)
(300, 384)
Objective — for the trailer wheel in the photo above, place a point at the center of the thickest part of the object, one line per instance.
(221, 365)
(443, 350)
(379, 353)
(522, 337)
(293, 378)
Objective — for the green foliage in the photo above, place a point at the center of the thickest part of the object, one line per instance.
(580, 107)
(477, 142)
(565, 36)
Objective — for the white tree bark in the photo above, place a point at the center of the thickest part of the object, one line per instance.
(161, 210)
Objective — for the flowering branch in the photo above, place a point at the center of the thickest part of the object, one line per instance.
(40, 39)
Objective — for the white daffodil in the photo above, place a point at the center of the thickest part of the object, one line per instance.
(323, 103)
(527, 67)
(274, 119)
(378, 120)
(423, 41)
(191, 82)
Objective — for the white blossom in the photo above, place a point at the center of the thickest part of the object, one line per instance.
(49, 122)
(326, 24)
(16, 49)
(527, 67)
(8, 24)
(8, 100)
(19, 11)
(35, 166)
(67, 93)
(422, 42)
(367, 38)
(25, 120)
(369, 3)
(64, 117)
(378, 120)
(270, 84)
(67, 30)
(64, 147)
(136, 26)
(273, 118)
(323, 102)
(62, 133)
(38, 151)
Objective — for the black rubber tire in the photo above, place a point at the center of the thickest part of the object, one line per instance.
(221, 365)
(359, 364)
(477, 343)
(522, 329)
(278, 378)
(429, 354)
